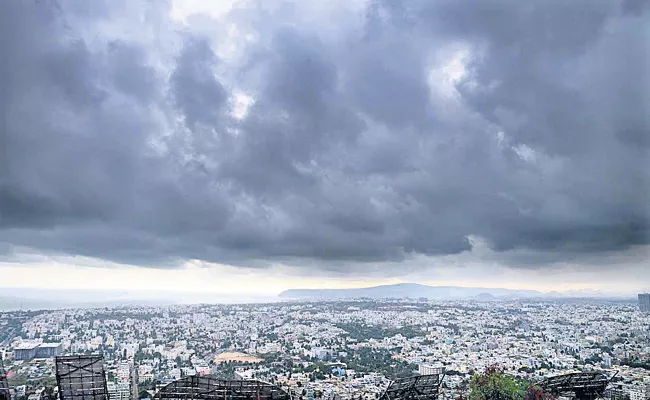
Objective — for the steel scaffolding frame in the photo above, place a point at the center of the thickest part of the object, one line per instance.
(422, 387)
(81, 377)
(5, 394)
(212, 388)
(579, 385)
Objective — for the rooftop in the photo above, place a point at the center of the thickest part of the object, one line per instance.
(26, 346)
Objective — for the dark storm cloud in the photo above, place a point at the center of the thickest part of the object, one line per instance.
(197, 93)
(358, 146)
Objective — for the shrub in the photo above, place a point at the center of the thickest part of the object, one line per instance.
(494, 384)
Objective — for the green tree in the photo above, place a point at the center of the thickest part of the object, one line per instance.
(493, 384)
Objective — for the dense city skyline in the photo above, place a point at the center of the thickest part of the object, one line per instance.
(337, 349)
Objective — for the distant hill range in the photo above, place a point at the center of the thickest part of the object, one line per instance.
(415, 290)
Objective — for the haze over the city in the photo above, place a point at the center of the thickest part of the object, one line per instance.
(249, 147)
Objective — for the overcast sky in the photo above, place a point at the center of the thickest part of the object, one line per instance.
(255, 146)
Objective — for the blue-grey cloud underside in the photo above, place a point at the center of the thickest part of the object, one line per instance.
(125, 147)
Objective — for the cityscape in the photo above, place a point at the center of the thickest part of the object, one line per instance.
(343, 349)
(324, 200)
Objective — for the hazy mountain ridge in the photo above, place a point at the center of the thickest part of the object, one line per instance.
(415, 290)
(40, 299)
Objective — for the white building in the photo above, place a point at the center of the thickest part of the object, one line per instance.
(428, 369)
(20, 390)
(269, 348)
(637, 392)
(175, 373)
(118, 391)
(244, 374)
(319, 352)
(124, 371)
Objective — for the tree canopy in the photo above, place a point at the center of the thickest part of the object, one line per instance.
(494, 384)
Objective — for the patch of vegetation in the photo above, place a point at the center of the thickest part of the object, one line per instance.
(494, 384)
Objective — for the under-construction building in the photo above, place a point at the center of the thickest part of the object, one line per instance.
(194, 387)
(579, 386)
(5, 394)
(423, 387)
(84, 378)
(81, 378)
(210, 388)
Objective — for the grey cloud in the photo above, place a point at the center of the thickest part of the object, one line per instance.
(126, 149)
(198, 93)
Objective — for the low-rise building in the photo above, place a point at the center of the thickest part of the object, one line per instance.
(25, 351)
(48, 350)
(118, 391)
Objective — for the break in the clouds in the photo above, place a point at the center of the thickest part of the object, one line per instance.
(324, 132)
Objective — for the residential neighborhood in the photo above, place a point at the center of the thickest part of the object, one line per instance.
(343, 349)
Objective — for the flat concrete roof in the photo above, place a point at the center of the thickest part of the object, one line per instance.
(26, 346)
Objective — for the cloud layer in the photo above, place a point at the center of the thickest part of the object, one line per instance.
(351, 132)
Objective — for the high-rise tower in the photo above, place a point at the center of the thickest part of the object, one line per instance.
(644, 302)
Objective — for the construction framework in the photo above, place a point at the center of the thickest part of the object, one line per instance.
(212, 388)
(580, 385)
(423, 387)
(5, 394)
(81, 378)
